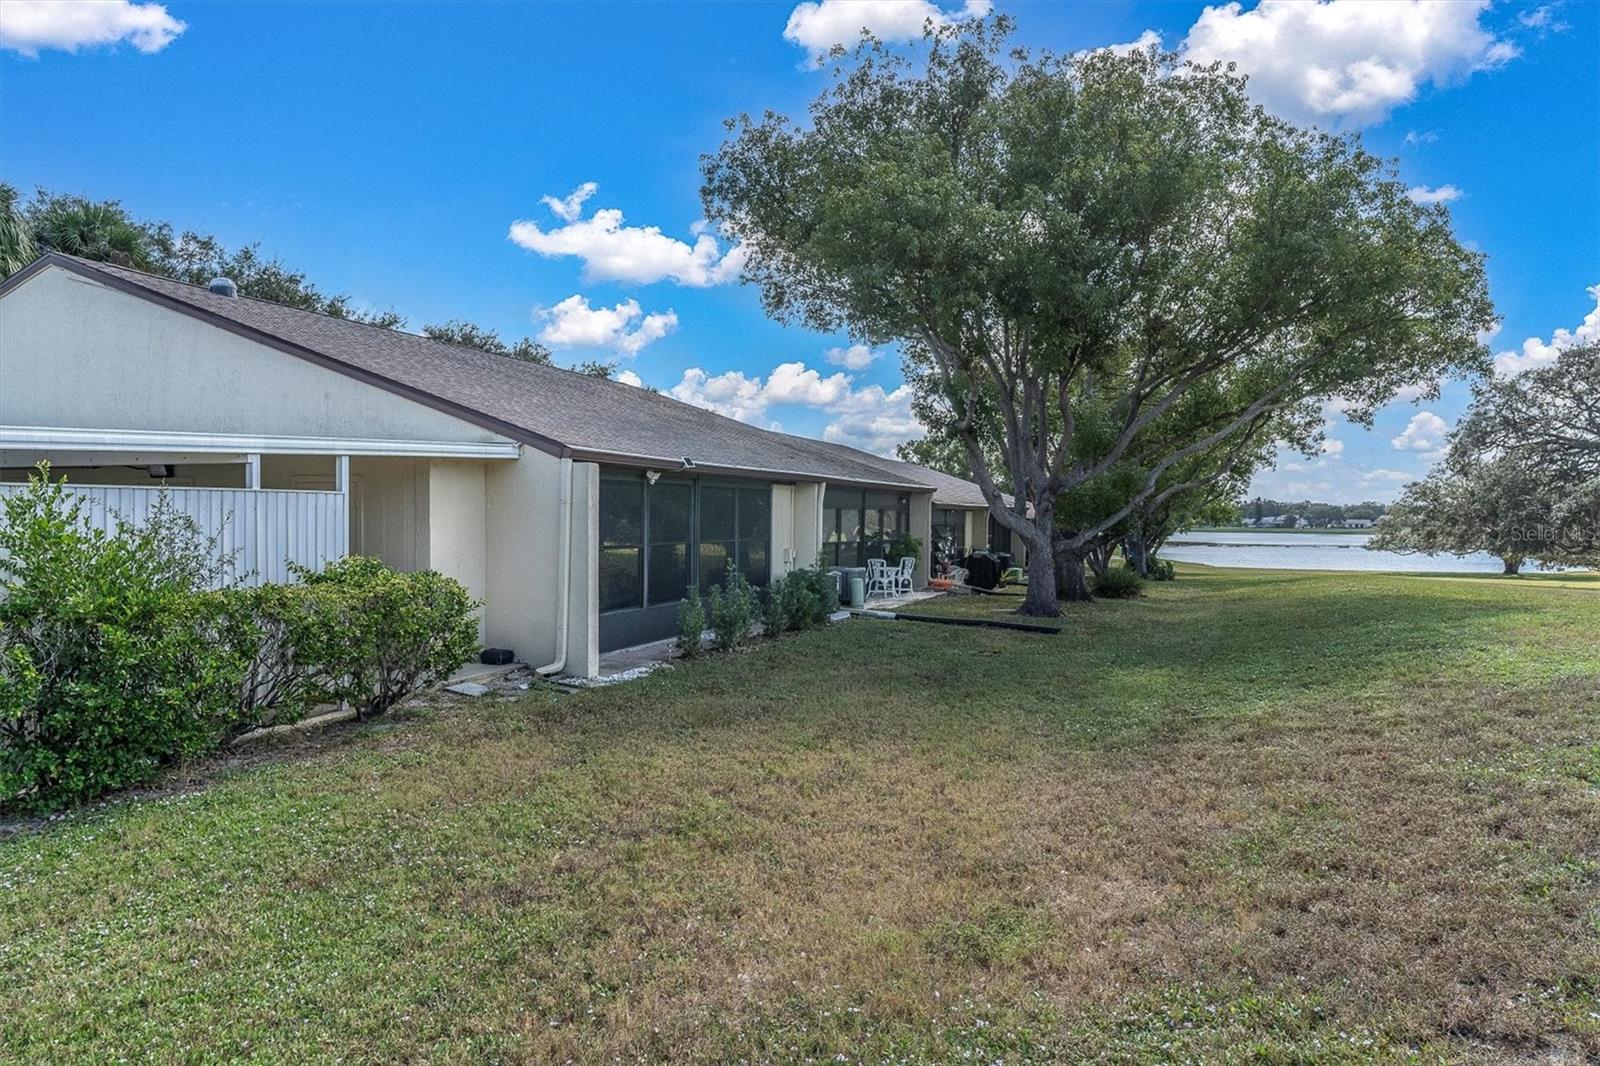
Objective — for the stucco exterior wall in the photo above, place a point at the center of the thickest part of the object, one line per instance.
(583, 635)
(523, 547)
(977, 529)
(127, 363)
(783, 531)
(458, 525)
(922, 529)
(806, 527)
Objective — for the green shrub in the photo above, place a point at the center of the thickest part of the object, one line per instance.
(1118, 582)
(902, 545)
(1160, 569)
(118, 656)
(691, 625)
(810, 596)
(265, 627)
(775, 608)
(800, 604)
(733, 610)
(357, 633)
(111, 660)
(375, 635)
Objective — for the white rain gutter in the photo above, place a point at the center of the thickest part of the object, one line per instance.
(564, 581)
(139, 441)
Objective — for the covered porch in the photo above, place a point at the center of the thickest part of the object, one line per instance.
(269, 502)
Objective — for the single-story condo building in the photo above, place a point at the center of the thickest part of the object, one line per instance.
(579, 510)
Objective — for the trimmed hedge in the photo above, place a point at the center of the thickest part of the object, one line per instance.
(117, 657)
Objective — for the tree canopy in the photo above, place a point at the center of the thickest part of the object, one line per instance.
(1122, 235)
(103, 230)
(1547, 421)
(17, 247)
(460, 331)
(1499, 507)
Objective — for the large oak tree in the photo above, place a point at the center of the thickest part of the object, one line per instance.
(1547, 421)
(1499, 506)
(1123, 233)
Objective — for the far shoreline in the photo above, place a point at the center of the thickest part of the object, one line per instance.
(1275, 529)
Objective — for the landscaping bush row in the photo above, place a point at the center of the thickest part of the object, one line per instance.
(800, 600)
(119, 656)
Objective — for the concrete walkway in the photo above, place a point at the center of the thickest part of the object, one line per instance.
(893, 603)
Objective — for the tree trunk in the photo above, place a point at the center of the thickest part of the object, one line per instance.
(1071, 576)
(1138, 556)
(1041, 598)
(1099, 557)
(1513, 564)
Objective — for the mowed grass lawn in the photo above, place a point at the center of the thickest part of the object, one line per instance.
(1250, 816)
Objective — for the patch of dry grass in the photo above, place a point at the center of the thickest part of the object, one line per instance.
(1300, 817)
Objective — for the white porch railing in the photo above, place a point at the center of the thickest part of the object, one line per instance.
(260, 530)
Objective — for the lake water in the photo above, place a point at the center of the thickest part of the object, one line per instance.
(1260, 550)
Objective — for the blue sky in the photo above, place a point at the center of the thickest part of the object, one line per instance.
(389, 150)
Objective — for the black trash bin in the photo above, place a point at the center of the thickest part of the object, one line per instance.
(983, 570)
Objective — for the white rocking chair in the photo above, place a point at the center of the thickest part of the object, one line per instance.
(905, 574)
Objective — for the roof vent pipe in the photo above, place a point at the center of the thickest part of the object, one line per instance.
(223, 287)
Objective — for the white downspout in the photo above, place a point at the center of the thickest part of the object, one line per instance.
(564, 579)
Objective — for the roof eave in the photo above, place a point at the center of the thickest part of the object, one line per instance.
(675, 464)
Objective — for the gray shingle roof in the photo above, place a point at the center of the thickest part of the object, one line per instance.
(948, 490)
(589, 417)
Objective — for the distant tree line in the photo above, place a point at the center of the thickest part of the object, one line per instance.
(1309, 512)
(104, 231)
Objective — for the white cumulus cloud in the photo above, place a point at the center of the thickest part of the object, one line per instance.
(818, 26)
(745, 397)
(870, 417)
(731, 393)
(855, 357)
(1347, 62)
(1145, 41)
(572, 323)
(1422, 194)
(875, 420)
(30, 26)
(1537, 352)
(612, 251)
(569, 208)
(1386, 477)
(1425, 432)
